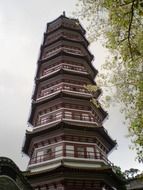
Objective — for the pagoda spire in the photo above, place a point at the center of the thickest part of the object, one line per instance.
(64, 13)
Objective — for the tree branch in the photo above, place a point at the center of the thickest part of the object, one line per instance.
(129, 29)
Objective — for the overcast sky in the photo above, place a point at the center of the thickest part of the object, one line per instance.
(22, 24)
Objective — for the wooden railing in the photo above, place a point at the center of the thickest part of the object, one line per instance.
(63, 114)
(68, 153)
(64, 87)
(64, 66)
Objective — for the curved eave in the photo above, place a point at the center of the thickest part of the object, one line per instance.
(67, 28)
(64, 17)
(60, 94)
(62, 52)
(104, 113)
(64, 39)
(100, 109)
(64, 166)
(92, 127)
(71, 125)
(106, 136)
(62, 71)
(84, 42)
(97, 93)
(89, 56)
(67, 54)
(104, 174)
(31, 134)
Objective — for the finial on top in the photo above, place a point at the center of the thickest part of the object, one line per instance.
(64, 13)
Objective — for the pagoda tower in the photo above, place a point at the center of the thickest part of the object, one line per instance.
(67, 146)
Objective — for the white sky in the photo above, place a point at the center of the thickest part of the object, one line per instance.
(22, 24)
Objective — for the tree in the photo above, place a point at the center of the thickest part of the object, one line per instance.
(120, 24)
(131, 173)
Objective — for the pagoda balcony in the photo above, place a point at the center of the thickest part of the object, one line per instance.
(67, 49)
(64, 66)
(64, 87)
(74, 36)
(50, 71)
(65, 153)
(66, 115)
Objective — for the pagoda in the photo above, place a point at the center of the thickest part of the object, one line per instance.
(67, 146)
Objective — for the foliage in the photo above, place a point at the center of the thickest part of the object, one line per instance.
(118, 171)
(131, 173)
(120, 23)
